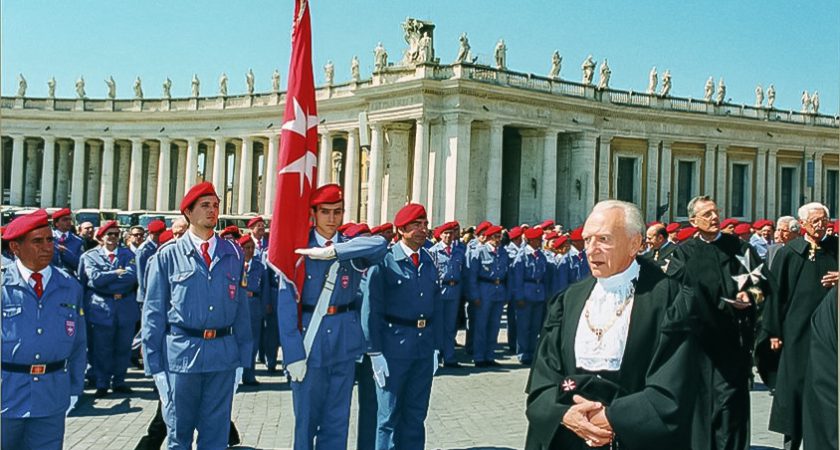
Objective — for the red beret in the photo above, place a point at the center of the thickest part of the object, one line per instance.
(533, 233)
(515, 232)
(328, 193)
(156, 226)
(61, 213)
(448, 226)
(409, 213)
(24, 224)
(196, 192)
(105, 226)
(387, 226)
(742, 228)
(357, 229)
(837, 226)
(759, 224)
(481, 227)
(576, 234)
(436, 233)
(244, 240)
(165, 237)
(559, 242)
(491, 230)
(230, 229)
(551, 235)
(672, 227)
(344, 227)
(255, 221)
(686, 233)
(729, 222)
(548, 223)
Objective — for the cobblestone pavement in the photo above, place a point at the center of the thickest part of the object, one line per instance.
(470, 409)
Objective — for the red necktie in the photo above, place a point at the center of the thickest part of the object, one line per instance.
(328, 244)
(449, 250)
(415, 258)
(39, 285)
(205, 247)
(111, 256)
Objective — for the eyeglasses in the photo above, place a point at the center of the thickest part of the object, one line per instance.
(137, 234)
(113, 233)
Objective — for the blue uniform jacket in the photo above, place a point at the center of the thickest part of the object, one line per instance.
(397, 289)
(529, 276)
(68, 259)
(340, 335)
(487, 274)
(108, 295)
(256, 281)
(37, 332)
(182, 291)
(144, 252)
(559, 279)
(760, 245)
(451, 269)
(578, 267)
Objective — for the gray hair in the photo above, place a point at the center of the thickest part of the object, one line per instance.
(693, 202)
(805, 210)
(633, 220)
(785, 220)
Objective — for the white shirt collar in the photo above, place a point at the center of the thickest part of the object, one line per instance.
(490, 246)
(106, 252)
(529, 250)
(26, 274)
(621, 280)
(197, 241)
(322, 241)
(709, 242)
(406, 249)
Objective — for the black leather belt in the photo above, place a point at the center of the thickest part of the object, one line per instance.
(418, 323)
(496, 281)
(331, 310)
(206, 334)
(35, 369)
(534, 281)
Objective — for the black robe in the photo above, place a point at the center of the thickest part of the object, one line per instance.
(820, 402)
(721, 418)
(653, 408)
(788, 316)
(663, 255)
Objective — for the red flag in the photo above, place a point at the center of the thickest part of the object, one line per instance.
(297, 158)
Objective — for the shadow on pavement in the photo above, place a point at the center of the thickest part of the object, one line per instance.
(87, 408)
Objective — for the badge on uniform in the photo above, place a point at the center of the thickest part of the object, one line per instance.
(70, 327)
(569, 385)
(345, 281)
(232, 291)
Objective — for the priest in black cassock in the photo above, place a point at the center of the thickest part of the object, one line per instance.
(729, 280)
(805, 269)
(659, 247)
(820, 403)
(615, 359)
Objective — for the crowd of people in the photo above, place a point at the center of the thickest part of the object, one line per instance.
(380, 307)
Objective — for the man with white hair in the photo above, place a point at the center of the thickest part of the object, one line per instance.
(615, 363)
(805, 269)
(787, 229)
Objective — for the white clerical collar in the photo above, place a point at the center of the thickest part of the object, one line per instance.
(197, 241)
(621, 279)
(26, 273)
(406, 249)
(717, 236)
(322, 241)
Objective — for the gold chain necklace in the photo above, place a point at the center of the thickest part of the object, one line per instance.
(601, 331)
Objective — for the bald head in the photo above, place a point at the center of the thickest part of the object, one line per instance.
(179, 227)
(656, 236)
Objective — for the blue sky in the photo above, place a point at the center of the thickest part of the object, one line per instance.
(793, 44)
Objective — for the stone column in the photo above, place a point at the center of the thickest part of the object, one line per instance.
(191, 166)
(351, 178)
(652, 180)
(77, 188)
(395, 189)
(772, 193)
(62, 184)
(457, 167)
(181, 178)
(31, 182)
(271, 172)
(721, 192)
(494, 173)
(151, 175)
(374, 216)
(219, 174)
(48, 173)
(420, 169)
(245, 176)
(761, 184)
(549, 176)
(665, 184)
(135, 181)
(818, 169)
(164, 164)
(106, 188)
(94, 172)
(324, 157)
(16, 179)
(709, 184)
(123, 172)
(604, 164)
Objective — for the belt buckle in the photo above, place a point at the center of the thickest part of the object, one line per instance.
(497, 281)
(421, 323)
(331, 310)
(250, 294)
(452, 282)
(37, 369)
(117, 296)
(209, 334)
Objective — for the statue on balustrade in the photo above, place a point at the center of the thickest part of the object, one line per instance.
(355, 75)
(195, 85)
(653, 80)
(709, 90)
(463, 49)
(500, 53)
(275, 81)
(759, 96)
(112, 87)
(588, 68)
(721, 92)
(604, 75)
(806, 102)
(51, 87)
(666, 84)
(329, 73)
(771, 96)
(138, 89)
(411, 28)
(556, 65)
(21, 92)
(249, 81)
(380, 58)
(167, 88)
(337, 167)
(426, 52)
(223, 81)
(80, 87)
(815, 102)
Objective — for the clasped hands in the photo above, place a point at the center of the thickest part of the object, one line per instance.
(588, 420)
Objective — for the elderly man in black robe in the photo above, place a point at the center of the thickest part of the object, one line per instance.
(820, 402)
(805, 269)
(614, 364)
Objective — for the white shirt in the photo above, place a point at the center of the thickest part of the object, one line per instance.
(197, 241)
(106, 253)
(606, 298)
(322, 241)
(26, 274)
(407, 250)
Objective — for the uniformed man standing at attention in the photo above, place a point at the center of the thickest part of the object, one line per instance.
(487, 290)
(253, 281)
(43, 352)
(145, 251)
(109, 276)
(68, 246)
(196, 326)
(451, 264)
(529, 279)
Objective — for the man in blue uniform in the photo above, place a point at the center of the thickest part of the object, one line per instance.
(43, 352)
(109, 276)
(253, 281)
(257, 228)
(513, 247)
(321, 355)
(404, 333)
(145, 251)
(529, 280)
(487, 290)
(196, 326)
(557, 267)
(451, 266)
(68, 246)
(578, 265)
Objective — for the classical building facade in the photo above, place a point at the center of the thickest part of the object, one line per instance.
(470, 141)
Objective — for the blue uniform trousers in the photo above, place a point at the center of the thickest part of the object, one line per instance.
(35, 433)
(529, 319)
(203, 403)
(270, 342)
(256, 311)
(486, 322)
(450, 329)
(111, 353)
(323, 397)
(511, 326)
(366, 397)
(403, 404)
